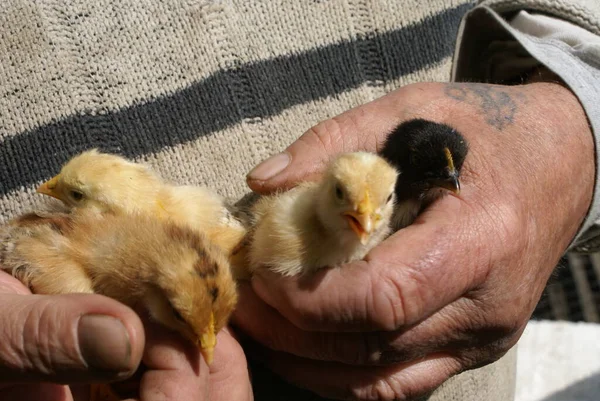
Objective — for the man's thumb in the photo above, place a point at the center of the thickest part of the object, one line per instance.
(306, 158)
(67, 338)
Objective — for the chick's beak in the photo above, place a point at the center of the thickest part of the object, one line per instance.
(451, 183)
(48, 187)
(361, 221)
(208, 341)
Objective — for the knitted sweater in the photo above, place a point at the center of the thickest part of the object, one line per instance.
(204, 90)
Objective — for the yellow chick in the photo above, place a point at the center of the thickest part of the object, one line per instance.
(183, 281)
(327, 223)
(109, 182)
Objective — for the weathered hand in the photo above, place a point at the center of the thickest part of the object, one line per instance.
(229, 378)
(54, 345)
(454, 290)
(177, 371)
(67, 339)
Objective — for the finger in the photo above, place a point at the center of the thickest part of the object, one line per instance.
(10, 285)
(405, 279)
(229, 376)
(66, 338)
(359, 128)
(444, 330)
(269, 328)
(176, 370)
(344, 382)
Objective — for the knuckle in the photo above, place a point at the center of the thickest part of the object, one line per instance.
(326, 136)
(507, 329)
(487, 344)
(11, 285)
(380, 390)
(490, 324)
(36, 347)
(483, 356)
(44, 349)
(23, 348)
(350, 122)
(403, 382)
(384, 390)
(390, 388)
(303, 314)
(499, 338)
(399, 293)
(389, 303)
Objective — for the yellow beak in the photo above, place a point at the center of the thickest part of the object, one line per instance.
(48, 187)
(362, 220)
(208, 341)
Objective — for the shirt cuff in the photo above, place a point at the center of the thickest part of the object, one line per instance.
(490, 49)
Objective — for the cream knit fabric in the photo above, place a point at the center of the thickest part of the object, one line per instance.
(204, 90)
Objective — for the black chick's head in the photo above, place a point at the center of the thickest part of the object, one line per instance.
(428, 155)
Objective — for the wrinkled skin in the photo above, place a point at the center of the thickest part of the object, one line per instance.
(40, 346)
(454, 290)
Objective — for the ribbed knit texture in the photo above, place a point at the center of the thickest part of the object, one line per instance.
(203, 91)
(585, 13)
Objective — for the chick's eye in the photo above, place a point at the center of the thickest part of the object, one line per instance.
(338, 192)
(177, 315)
(390, 198)
(76, 195)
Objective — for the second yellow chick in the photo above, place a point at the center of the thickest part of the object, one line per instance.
(327, 223)
(182, 280)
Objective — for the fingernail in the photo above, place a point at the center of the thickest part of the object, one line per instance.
(104, 343)
(270, 167)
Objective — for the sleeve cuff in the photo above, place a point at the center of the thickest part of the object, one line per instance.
(485, 40)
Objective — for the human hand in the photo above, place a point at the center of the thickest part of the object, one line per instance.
(54, 345)
(454, 290)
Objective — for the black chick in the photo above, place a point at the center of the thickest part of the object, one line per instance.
(429, 157)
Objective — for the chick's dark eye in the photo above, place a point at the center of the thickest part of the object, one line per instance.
(177, 315)
(390, 197)
(338, 192)
(76, 195)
